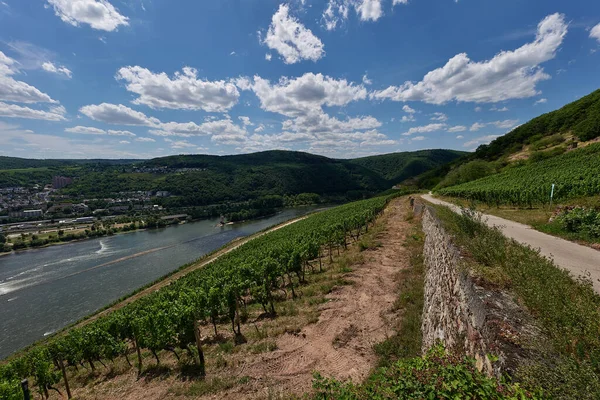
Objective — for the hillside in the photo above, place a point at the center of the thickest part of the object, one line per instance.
(204, 179)
(577, 124)
(396, 167)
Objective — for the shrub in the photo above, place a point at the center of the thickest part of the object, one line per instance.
(437, 375)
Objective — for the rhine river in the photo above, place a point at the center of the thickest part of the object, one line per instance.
(44, 290)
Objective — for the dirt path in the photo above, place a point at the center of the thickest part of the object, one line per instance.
(577, 259)
(354, 318)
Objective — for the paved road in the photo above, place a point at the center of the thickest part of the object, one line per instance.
(574, 257)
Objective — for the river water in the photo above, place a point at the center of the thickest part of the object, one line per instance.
(44, 290)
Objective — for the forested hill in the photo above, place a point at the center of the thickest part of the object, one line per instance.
(396, 167)
(544, 137)
(580, 118)
(203, 179)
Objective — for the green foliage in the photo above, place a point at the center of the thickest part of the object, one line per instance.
(568, 309)
(437, 375)
(397, 167)
(166, 319)
(468, 172)
(575, 174)
(582, 118)
(545, 142)
(581, 220)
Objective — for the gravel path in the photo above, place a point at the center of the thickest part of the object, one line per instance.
(577, 259)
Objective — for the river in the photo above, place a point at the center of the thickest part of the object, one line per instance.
(44, 290)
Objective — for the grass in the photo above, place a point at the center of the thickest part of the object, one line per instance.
(536, 217)
(407, 339)
(567, 308)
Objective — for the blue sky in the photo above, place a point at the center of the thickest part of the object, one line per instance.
(341, 78)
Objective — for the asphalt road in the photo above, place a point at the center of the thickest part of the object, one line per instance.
(574, 257)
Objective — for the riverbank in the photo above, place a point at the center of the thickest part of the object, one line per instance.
(165, 279)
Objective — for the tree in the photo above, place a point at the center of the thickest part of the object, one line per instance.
(2, 238)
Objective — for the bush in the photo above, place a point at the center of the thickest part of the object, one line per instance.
(581, 220)
(437, 375)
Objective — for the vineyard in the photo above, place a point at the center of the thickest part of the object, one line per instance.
(172, 318)
(574, 174)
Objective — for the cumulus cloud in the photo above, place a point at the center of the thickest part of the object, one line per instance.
(117, 114)
(418, 138)
(460, 137)
(16, 111)
(439, 116)
(508, 75)
(145, 139)
(245, 120)
(336, 11)
(183, 91)
(89, 130)
(366, 80)
(477, 126)
(50, 67)
(320, 122)
(407, 109)
(408, 118)
(86, 130)
(18, 91)
(179, 144)
(457, 128)
(302, 95)
(595, 33)
(503, 109)
(540, 101)
(424, 129)
(99, 14)
(292, 40)
(506, 124)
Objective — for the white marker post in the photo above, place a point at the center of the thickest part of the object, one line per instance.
(551, 194)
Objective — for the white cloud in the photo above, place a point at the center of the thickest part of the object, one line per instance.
(408, 118)
(120, 133)
(366, 80)
(439, 116)
(407, 109)
(179, 144)
(457, 128)
(368, 10)
(18, 91)
(335, 13)
(395, 2)
(320, 122)
(302, 95)
(418, 138)
(460, 137)
(117, 115)
(424, 129)
(480, 140)
(268, 56)
(292, 40)
(508, 75)
(99, 14)
(89, 130)
(477, 126)
(15, 111)
(506, 124)
(540, 101)
(50, 67)
(595, 33)
(245, 120)
(124, 142)
(233, 53)
(184, 91)
(260, 128)
(478, 109)
(86, 130)
(144, 139)
(503, 109)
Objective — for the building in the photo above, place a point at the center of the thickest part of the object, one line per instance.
(59, 182)
(85, 220)
(26, 214)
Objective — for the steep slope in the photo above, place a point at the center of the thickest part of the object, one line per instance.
(396, 167)
(575, 125)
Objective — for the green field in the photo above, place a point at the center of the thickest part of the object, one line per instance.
(574, 174)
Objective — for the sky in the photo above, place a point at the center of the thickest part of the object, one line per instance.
(340, 78)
